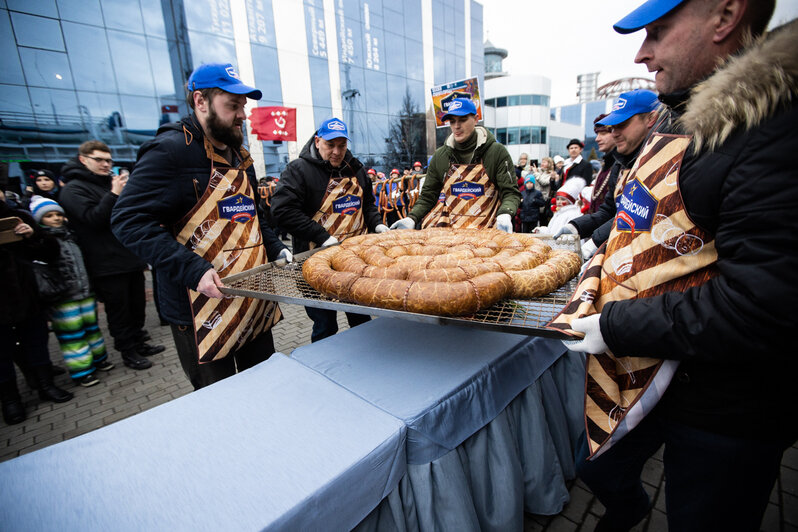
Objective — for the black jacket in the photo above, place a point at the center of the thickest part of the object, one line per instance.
(599, 224)
(71, 268)
(733, 334)
(300, 193)
(531, 202)
(20, 300)
(581, 169)
(87, 200)
(171, 173)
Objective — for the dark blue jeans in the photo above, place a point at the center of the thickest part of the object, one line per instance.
(325, 322)
(712, 482)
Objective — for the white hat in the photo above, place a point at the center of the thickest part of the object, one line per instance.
(571, 189)
(558, 159)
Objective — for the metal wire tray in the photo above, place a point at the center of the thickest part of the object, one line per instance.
(278, 281)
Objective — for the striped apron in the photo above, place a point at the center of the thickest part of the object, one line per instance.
(341, 211)
(223, 228)
(653, 248)
(468, 199)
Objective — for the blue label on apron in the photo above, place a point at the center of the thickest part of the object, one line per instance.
(636, 208)
(349, 204)
(467, 191)
(238, 208)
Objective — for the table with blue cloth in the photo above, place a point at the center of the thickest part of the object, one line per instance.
(492, 418)
(277, 447)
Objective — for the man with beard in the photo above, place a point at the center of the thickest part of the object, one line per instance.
(117, 275)
(687, 311)
(190, 209)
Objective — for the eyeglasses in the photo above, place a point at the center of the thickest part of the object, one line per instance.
(101, 159)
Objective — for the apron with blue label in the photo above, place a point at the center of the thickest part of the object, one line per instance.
(223, 228)
(468, 198)
(653, 248)
(341, 210)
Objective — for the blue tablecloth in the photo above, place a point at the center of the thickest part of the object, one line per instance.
(276, 447)
(493, 420)
(445, 383)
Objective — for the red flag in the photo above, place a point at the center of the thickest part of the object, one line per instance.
(273, 123)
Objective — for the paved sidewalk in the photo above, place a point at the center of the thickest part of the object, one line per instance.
(123, 392)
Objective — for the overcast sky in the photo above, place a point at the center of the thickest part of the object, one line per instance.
(564, 38)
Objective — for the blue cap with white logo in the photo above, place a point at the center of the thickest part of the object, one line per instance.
(645, 15)
(332, 128)
(221, 76)
(629, 104)
(460, 107)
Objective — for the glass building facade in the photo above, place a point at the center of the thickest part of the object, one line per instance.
(114, 70)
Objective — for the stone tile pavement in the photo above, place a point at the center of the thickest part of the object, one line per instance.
(124, 392)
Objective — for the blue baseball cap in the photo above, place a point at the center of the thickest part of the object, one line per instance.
(221, 76)
(332, 128)
(460, 107)
(629, 104)
(646, 14)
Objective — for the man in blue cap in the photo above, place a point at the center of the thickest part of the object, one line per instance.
(190, 210)
(324, 197)
(684, 311)
(470, 180)
(633, 115)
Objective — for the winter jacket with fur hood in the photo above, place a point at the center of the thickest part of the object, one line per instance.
(733, 334)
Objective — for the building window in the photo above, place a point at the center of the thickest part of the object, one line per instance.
(518, 99)
(513, 135)
(501, 135)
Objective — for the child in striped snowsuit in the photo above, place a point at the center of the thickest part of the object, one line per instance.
(74, 317)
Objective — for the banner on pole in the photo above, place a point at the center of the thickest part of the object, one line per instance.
(442, 96)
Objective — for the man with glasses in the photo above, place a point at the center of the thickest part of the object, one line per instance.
(117, 275)
(633, 115)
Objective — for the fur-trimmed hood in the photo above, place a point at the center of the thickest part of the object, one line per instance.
(746, 90)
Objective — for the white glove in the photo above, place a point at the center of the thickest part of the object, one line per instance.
(567, 229)
(504, 222)
(588, 248)
(404, 223)
(286, 255)
(593, 342)
(381, 228)
(329, 242)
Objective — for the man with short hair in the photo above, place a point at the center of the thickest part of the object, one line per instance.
(470, 173)
(324, 197)
(634, 114)
(686, 309)
(191, 210)
(117, 275)
(575, 165)
(606, 145)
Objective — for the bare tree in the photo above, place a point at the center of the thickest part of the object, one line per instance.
(407, 136)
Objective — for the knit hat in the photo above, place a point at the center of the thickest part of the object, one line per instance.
(558, 159)
(529, 177)
(40, 206)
